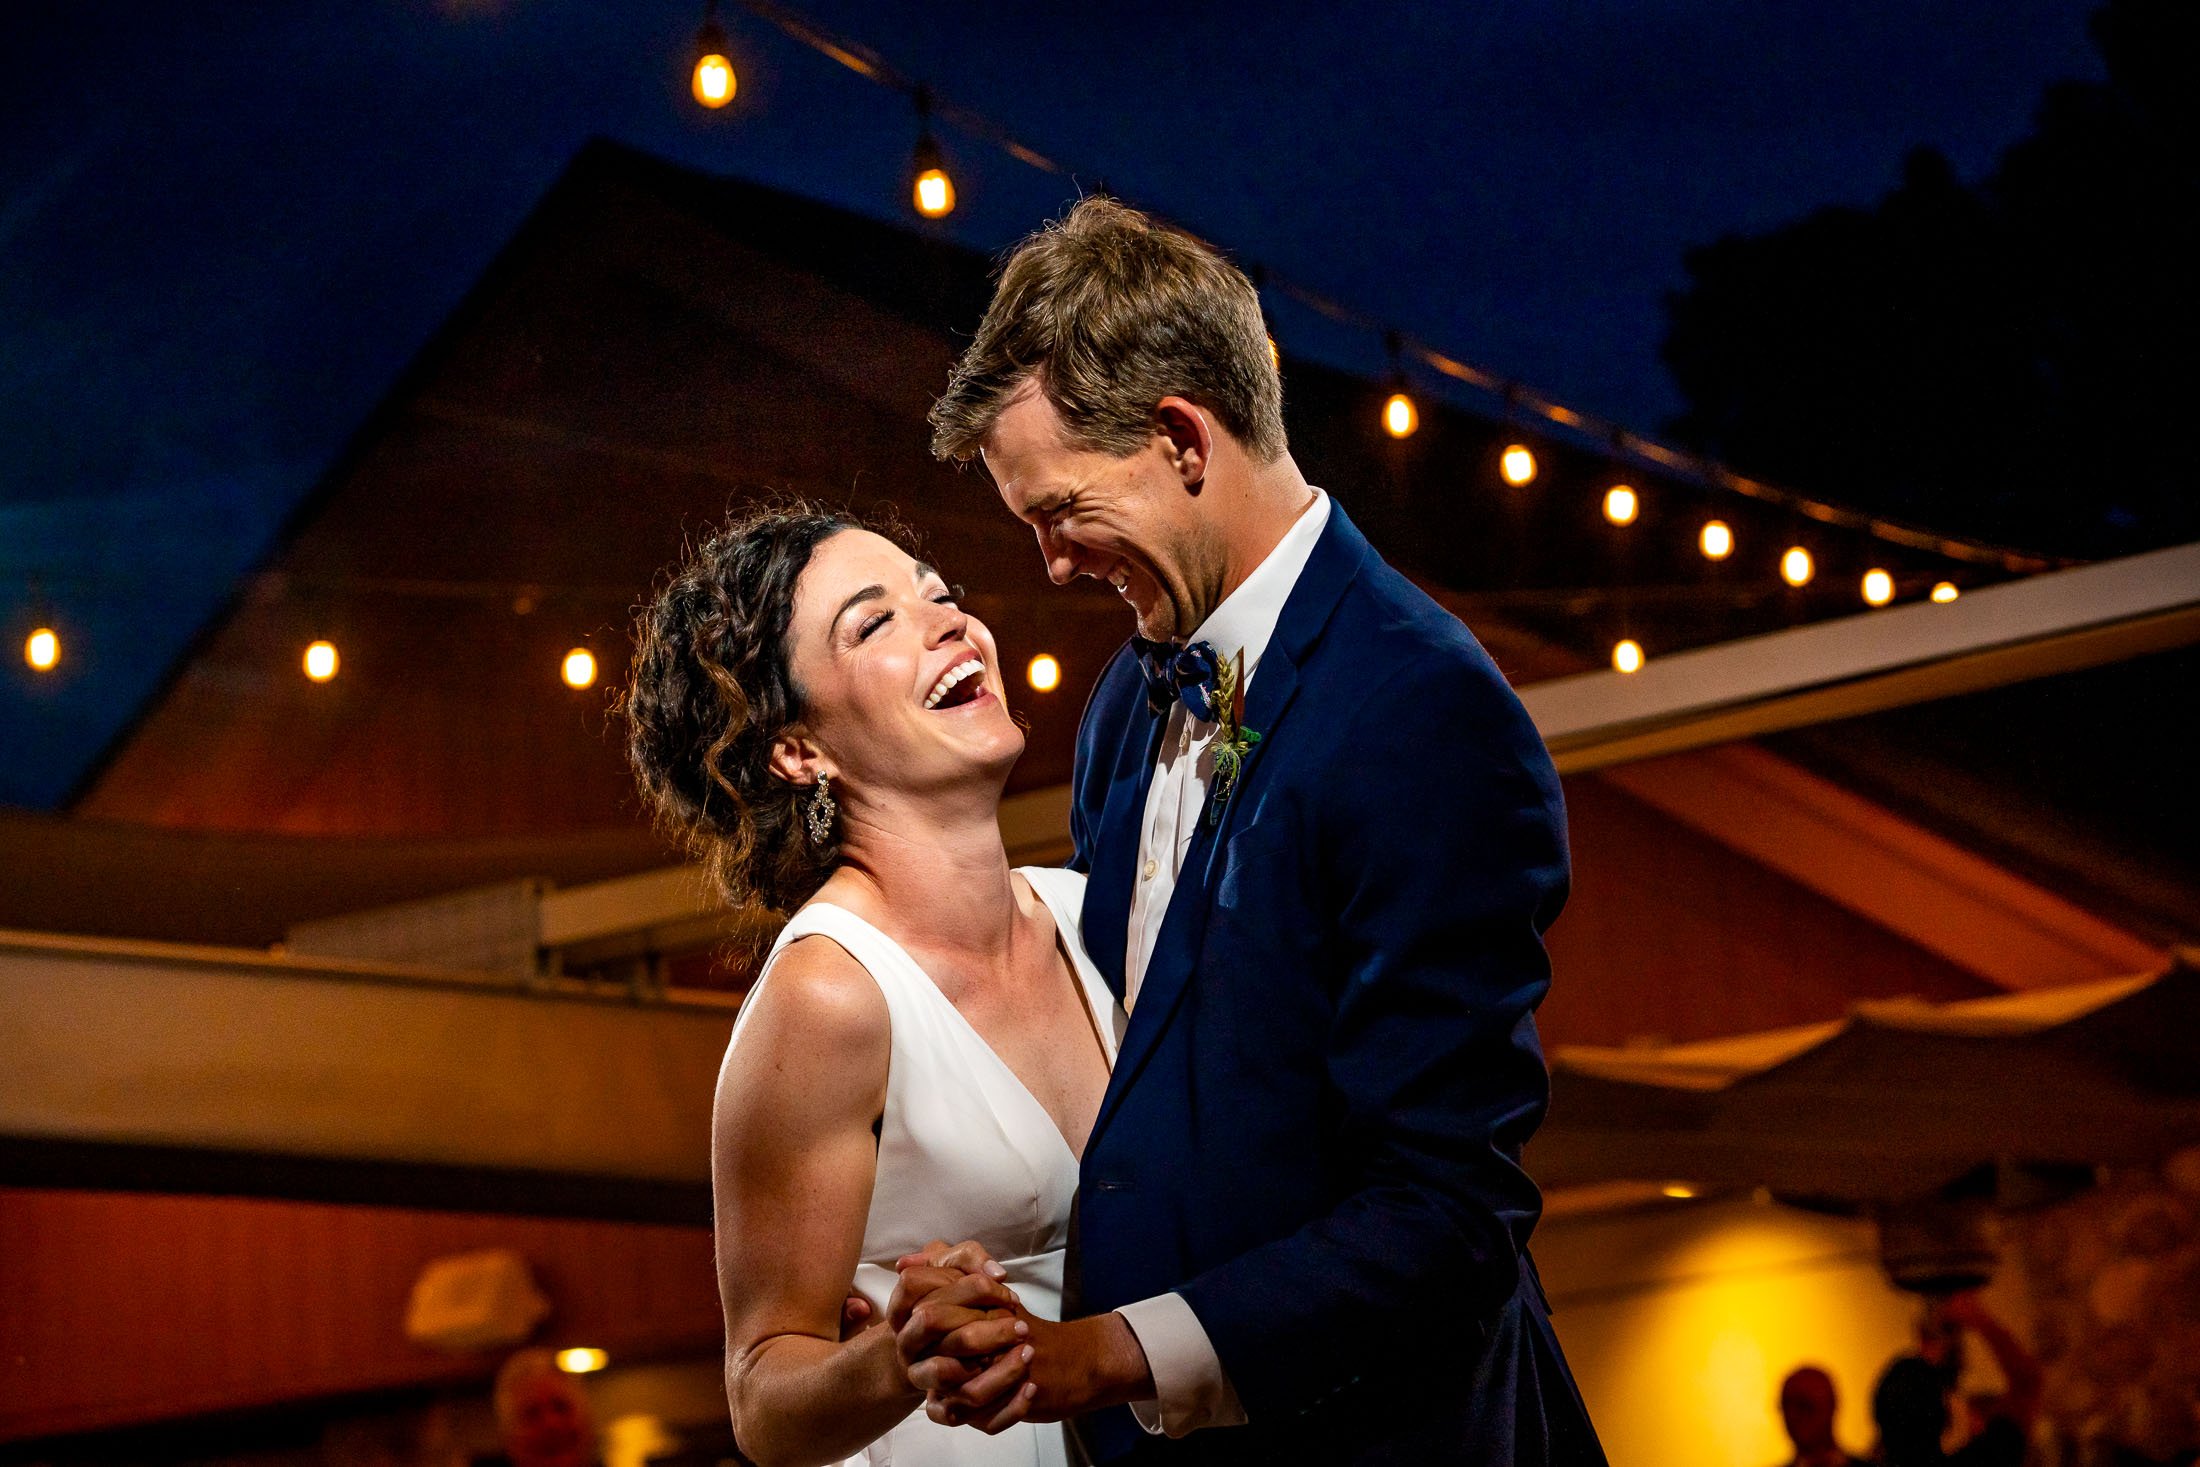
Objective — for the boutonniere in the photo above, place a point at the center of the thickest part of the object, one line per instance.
(1233, 742)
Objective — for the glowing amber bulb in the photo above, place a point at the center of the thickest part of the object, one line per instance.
(1878, 587)
(321, 661)
(1517, 465)
(1716, 541)
(934, 193)
(1796, 567)
(1627, 655)
(579, 669)
(1400, 416)
(713, 83)
(1679, 1191)
(1044, 673)
(42, 649)
(1945, 592)
(1621, 505)
(580, 1361)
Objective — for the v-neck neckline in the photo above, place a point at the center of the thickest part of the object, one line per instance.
(1101, 1029)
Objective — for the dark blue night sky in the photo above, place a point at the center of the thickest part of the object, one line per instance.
(225, 229)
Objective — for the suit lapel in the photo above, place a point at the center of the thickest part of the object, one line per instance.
(1276, 684)
(1106, 919)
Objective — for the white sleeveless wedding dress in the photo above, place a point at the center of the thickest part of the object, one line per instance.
(964, 1152)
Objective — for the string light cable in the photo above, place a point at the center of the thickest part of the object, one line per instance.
(1512, 396)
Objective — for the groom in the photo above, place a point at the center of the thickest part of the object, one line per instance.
(1323, 843)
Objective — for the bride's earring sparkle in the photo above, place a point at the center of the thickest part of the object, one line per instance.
(818, 813)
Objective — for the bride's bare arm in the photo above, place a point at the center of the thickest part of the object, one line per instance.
(793, 1158)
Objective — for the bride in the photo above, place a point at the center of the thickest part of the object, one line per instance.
(927, 1047)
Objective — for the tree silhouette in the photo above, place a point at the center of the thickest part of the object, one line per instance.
(2016, 360)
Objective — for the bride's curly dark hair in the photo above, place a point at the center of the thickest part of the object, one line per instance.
(710, 693)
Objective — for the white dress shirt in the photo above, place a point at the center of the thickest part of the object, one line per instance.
(1191, 1389)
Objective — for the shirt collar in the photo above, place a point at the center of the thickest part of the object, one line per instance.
(1247, 617)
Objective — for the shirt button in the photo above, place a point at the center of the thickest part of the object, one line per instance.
(1150, 868)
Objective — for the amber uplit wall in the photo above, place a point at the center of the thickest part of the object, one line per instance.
(118, 1308)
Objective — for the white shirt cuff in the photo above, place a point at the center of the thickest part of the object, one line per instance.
(1191, 1391)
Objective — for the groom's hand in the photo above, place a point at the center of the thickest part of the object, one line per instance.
(989, 1372)
(1057, 1371)
(957, 1329)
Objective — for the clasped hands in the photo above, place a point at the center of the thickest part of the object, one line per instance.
(981, 1359)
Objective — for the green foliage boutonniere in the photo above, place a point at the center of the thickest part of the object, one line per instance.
(1233, 742)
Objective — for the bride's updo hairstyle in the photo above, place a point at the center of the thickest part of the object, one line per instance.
(710, 694)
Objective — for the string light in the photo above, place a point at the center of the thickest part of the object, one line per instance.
(1678, 1191)
(578, 669)
(1627, 655)
(1517, 465)
(1878, 586)
(1044, 673)
(932, 190)
(42, 649)
(580, 1360)
(713, 82)
(1705, 473)
(1945, 592)
(1796, 567)
(320, 661)
(1716, 541)
(1621, 504)
(1400, 417)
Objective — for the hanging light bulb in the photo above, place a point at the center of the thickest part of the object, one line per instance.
(1796, 567)
(42, 649)
(1516, 465)
(320, 661)
(1878, 587)
(1621, 504)
(933, 191)
(930, 188)
(1716, 540)
(578, 669)
(1044, 673)
(1627, 655)
(1945, 592)
(713, 82)
(1400, 416)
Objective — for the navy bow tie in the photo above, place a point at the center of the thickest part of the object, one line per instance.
(1175, 674)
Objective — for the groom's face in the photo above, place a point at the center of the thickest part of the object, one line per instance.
(1129, 520)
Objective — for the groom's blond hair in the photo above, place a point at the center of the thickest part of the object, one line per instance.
(1109, 312)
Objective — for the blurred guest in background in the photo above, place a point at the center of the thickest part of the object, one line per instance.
(1807, 1405)
(1911, 1404)
(542, 1414)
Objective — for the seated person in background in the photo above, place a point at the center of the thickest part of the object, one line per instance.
(1807, 1405)
(542, 1414)
(1911, 1404)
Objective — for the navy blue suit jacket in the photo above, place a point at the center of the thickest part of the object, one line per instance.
(1314, 1127)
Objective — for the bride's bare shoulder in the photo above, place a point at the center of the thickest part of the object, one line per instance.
(811, 1056)
(816, 987)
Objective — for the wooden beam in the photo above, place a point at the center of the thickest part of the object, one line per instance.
(673, 909)
(132, 1051)
(2047, 624)
(1918, 885)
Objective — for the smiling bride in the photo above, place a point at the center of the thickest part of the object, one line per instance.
(927, 1047)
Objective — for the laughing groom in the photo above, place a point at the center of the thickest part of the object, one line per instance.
(1323, 843)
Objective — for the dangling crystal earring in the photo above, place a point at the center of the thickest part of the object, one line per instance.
(819, 812)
